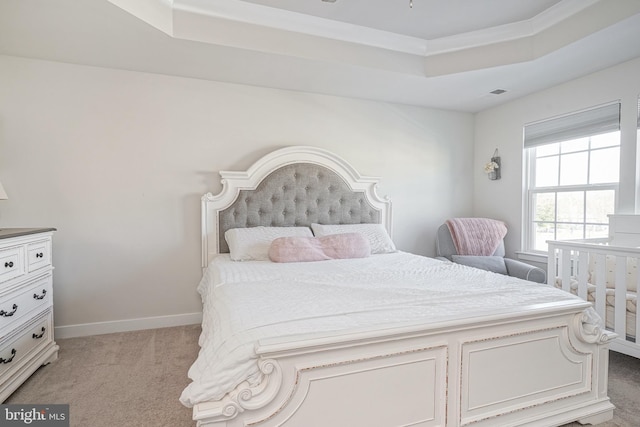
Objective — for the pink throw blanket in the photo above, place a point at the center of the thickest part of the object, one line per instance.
(476, 236)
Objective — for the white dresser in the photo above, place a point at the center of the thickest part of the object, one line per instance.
(26, 305)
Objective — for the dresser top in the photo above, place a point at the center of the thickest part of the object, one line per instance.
(6, 233)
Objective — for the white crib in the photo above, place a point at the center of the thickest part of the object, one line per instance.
(604, 271)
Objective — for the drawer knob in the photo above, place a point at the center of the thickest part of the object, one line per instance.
(13, 354)
(40, 335)
(36, 296)
(8, 264)
(39, 255)
(9, 313)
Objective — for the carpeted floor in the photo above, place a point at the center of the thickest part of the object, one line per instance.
(134, 379)
(130, 379)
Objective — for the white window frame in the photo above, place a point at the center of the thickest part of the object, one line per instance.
(529, 221)
(580, 124)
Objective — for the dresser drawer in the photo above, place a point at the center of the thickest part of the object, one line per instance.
(38, 255)
(32, 298)
(26, 304)
(19, 346)
(11, 263)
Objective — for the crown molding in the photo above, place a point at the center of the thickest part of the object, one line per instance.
(255, 27)
(157, 13)
(162, 14)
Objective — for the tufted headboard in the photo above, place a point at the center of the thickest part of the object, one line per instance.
(293, 186)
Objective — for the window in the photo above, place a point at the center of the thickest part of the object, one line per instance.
(573, 171)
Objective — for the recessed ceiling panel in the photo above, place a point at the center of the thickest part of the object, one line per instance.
(427, 19)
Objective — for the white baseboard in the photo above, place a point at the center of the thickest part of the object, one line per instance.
(86, 329)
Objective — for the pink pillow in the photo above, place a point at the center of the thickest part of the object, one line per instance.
(304, 249)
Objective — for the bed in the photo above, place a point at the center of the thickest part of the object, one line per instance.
(390, 339)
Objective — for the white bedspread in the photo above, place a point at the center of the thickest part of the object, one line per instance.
(248, 301)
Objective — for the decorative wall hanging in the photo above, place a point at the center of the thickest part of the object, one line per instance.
(492, 168)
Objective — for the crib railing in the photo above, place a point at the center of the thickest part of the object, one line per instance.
(605, 274)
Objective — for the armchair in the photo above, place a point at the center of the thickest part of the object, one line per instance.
(446, 251)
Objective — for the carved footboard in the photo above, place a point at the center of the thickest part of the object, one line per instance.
(545, 366)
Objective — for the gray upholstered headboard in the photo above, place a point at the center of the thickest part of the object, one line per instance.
(297, 195)
(293, 186)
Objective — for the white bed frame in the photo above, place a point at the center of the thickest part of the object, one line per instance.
(545, 365)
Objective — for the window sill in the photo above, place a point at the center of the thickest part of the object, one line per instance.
(532, 257)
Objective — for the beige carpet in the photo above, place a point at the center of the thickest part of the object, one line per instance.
(134, 379)
(129, 379)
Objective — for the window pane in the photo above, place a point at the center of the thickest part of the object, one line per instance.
(569, 231)
(605, 166)
(597, 231)
(580, 144)
(544, 207)
(572, 187)
(605, 140)
(574, 168)
(547, 172)
(548, 149)
(600, 203)
(543, 231)
(571, 206)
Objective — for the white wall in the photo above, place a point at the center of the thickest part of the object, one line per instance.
(502, 128)
(117, 162)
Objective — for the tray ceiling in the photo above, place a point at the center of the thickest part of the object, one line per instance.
(442, 54)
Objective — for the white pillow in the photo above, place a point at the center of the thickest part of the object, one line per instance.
(252, 244)
(377, 235)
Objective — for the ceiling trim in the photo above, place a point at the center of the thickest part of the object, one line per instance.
(255, 27)
(517, 30)
(157, 13)
(162, 15)
(285, 20)
(98, 33)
